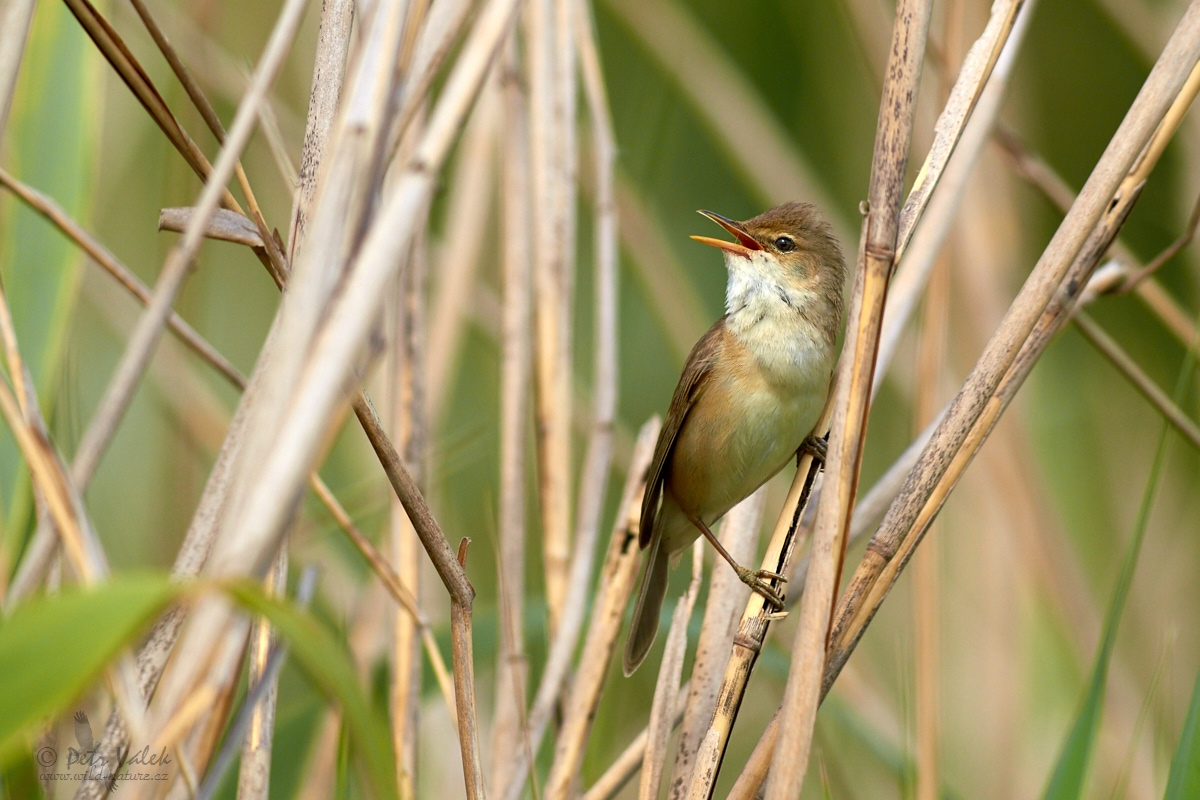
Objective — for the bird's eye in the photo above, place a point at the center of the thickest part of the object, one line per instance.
(784, 244)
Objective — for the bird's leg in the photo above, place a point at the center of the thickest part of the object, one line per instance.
(818, 446)
(758, 580)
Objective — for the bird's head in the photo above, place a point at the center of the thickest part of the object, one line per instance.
(789, 248)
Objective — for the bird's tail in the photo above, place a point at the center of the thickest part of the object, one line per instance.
(648, 609)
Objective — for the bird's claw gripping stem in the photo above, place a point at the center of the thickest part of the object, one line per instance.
(818, 446)
(758, 580)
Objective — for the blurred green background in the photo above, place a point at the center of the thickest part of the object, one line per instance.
(1030, 543)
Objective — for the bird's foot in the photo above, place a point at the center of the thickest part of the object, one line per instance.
(759, 581)
(818, 446)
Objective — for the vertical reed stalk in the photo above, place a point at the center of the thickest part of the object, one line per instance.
(662, 708)
(553, 203)
(512, 669)
(931, 355)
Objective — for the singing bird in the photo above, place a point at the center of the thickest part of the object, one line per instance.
(750, 395)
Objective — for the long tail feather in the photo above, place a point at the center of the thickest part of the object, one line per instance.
(648, 609)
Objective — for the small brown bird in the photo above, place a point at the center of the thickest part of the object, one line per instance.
(751, 392)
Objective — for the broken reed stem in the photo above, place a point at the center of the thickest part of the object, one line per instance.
(852, 399)
(1056, 281)
(511, 670)
(277, 265)
(617, 577)
(553, 202)
(1124, 364)
(464, 687)
(662, 708)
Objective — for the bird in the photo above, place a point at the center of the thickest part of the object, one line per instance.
(83, 733)
(751, 393)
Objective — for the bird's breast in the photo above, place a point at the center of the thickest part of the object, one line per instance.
(757, 407)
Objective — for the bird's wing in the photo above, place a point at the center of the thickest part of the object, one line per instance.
(687, 392)
(83, 732)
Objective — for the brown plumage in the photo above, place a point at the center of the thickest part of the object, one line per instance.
(751, 391)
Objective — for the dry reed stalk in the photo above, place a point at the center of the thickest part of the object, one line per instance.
(16, 16)
(329, 68)
(593, 478)
(726, 594)
(931, 365)
(925, 240)
(254, 771)
(1034, 169)
(145, 338)
(973, 78)
(512, 668)
(1034, 317)
(406, 370)
(629, 762)
(48, 474)
(852, 399)
(31, 568)
(1161, 401)
(617, 576)
(754, 139)
(464, 687)
(553, 201)
(317, 387)
(930, 372)
(469, 206)
(670, 671)
(439, 28)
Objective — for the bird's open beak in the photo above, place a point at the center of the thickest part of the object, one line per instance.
(745, 244)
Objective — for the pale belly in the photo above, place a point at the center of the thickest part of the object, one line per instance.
(721, 458)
